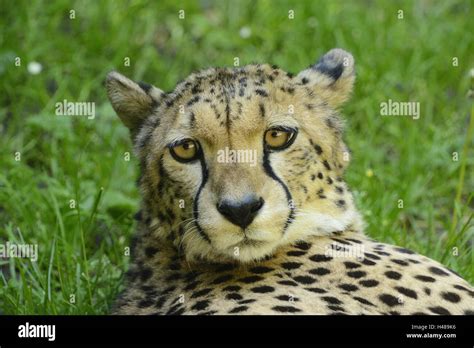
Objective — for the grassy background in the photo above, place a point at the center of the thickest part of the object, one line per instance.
(73, 158)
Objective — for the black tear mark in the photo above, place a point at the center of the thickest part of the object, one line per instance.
(196, 200)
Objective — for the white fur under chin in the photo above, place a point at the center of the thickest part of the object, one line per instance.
(313, 224)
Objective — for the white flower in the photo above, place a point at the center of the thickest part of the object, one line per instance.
(245, 32)
(34, 68)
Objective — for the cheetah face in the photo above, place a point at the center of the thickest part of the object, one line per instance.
(236, 162)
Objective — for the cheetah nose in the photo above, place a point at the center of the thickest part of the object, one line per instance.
(241, 213)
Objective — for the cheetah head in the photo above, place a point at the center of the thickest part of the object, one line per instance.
(236, 162)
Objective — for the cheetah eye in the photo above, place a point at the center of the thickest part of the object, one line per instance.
(279, 138)
(185, 151)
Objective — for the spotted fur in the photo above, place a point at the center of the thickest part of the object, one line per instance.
(305, 251)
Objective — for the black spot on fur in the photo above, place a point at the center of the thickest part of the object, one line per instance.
(326, 164)
(261, 92)
(369, 283)
(320, 258)
(372, 256)
(233, 296)
(320, 271)
(222, 279)
(262, 289)
(145, 303)
(288, 282)
(439, 310)
(368, 262)
(389, 300)
(451, 296)
(332, 300)
(250, 279)
(200, 305)
(238, 309)
(232, 288)
(348, 287)
(404, 251)
(393, 275)
(426, 279)
(296, 253)
(460, 287)
(400, 262)
(291, 265)
(406, 292)
(351, 265)
(318, 149)
(316, 290)
(145, 274)
(363, 301)
(303, 245)
(286, 298)
(193, 100)
(261, 269)
(262, 110)
(438, 271)
(286, 309)
(150, 251)
(356, 274)
(200, 293)
(304, 279)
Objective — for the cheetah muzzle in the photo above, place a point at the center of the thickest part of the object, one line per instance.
(244, 206)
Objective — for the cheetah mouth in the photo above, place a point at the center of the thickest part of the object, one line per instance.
(247, 242)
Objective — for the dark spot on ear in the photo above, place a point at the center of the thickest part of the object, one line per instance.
(327, 67)
(290, 75)
(145, 86)
(304, 80)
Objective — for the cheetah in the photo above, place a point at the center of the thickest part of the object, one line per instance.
(279, 235)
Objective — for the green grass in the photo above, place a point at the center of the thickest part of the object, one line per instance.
(81, 249)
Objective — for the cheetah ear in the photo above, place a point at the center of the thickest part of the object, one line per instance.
(332, 77)
(133, 102)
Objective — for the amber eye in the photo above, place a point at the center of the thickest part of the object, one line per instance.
(279, 138)
(185, 151)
